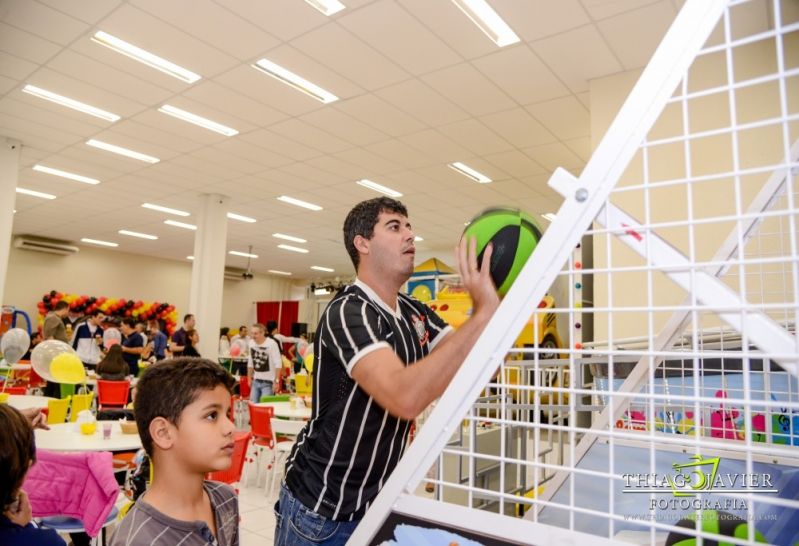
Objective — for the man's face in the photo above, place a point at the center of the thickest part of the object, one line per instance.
(189, 324)
(127, 330)
(98, 319)
(258, 335)
(62, 312)
(243, 331)
(391, 248)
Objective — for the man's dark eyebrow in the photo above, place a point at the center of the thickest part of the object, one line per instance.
(392, 221)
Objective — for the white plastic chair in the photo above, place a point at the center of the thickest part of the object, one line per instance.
(282, 427)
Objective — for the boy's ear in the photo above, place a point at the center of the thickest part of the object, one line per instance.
(162, 433)
(361, 244)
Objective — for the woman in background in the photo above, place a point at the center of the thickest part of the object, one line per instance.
(192, 339)
(113, 367)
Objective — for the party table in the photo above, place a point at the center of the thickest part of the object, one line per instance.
(68, 437)
(26, 401)
(285, 410)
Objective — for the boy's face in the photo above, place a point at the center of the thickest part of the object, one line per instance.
(203, 438)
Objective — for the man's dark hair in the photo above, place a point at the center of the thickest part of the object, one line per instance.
(130, 322)
(362, 220)
(17, 453)
(96, 312)
(183, 379)
(187, 317)
(223, 331)
(61, 305)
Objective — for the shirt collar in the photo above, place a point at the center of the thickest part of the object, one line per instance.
(372, 295)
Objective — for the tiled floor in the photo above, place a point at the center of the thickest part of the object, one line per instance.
(257, 516)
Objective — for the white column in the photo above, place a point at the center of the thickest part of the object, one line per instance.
(208, 271)
(9, 172)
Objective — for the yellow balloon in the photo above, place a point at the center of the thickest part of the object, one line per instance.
(308, 362)
(422, 293)
(67, 368)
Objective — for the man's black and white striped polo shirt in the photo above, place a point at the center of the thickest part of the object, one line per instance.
(351, 445)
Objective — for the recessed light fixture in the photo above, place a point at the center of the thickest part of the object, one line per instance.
(197, 120)
(487, 20)
(549, 216)
(327, 7)
(33, 193)
(189, 257)
(65, 174)
(278, 272)
(294, 248)
(98, 242)
(467, 171)
(242, 254)
(168, 210)
(378, 188)
(320, 268)
(288, 238)
(69, 103)
(137, 234)
(299, 203)
(240, 217)
(150, 59)
(297, 82)
(417, 239)
(121, 151)
(183, 225)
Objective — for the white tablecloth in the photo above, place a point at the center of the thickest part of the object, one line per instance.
(284, 409)
(67, 437)
(25, 401)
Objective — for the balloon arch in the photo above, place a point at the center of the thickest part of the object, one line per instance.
(112, 307)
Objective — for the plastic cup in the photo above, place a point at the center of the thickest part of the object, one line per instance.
(107, 430)
(88, 428)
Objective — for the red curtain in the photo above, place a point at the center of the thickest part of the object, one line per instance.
(285, 313)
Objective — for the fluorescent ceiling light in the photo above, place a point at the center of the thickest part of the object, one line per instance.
(168, 210)
(327, 7)
(242, 254)
(33, 193)
(98, 242)
(121, 151)
(549, 216)
(289, 238)
(137, 234)
(378, 188)
(65, 174)
(299, 203)
(180, 224)
(189, 257)
(278, 272)
(418, 239)
(69, 103)
(138, 54)
(320, 268)
(484, 16)
(466, 170)
(240, 218)
(321, 292)
(197, 120)
(297, 82)
(294, 248)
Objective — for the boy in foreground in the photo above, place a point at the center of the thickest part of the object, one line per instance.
(181, 412)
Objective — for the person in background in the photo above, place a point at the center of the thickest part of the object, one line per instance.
(132, 345)
(263, 362)
(113, 367)
(141, 328)
(88, 339)
(297, 351)
(54, 323)
(17, 455)
(36, 338)
(192, 339)
(159, 340)
(179, 337)
(224, 342)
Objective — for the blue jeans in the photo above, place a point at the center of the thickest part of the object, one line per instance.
(297, 525)
(260, 387)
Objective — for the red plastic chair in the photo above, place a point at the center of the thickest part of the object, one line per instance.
(233, 474)
(16, 390)
(244, 387)
(261, 427)
(112, 393)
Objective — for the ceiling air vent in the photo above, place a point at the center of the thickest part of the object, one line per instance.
(51, 246)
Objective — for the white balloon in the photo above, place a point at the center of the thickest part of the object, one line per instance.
(44, 353)
(15, 344)
(111, 336)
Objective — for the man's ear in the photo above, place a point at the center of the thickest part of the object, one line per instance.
(361, 244)
(162, 432)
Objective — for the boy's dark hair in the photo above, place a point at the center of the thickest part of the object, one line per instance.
(271, 325)
(362, 219)
(17, 453)
(129, 322)
(167, 387)
(61, 305)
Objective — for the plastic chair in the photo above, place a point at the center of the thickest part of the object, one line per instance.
(233, 474)
(303, 383)
(80, 402)
(57, 411)
(112, 393)
(244, 387)
(66, 524)
(261, 427)
(275, 398)
(16, 390)
(238, 401)
(66, 389)
(285, 429)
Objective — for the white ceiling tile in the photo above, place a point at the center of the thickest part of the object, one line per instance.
(231, 101)
(337, 166)
(469, 89)
(585, 99)
(238, 147)
(422, 102)
(515, 163)
(285, 19)
(25, 45)
(212, 23)
(534, 19)
(345, 54)
(552, 156)
(7, 84)
(156, 135)
(390, 29)
(19, 126)
(43, 21)
(40, 112)
(89, 11)
(369, 161)
(565, 117)
(518, 127)
(380, 114)
(580, 146)
(577, 56)
(345, 127)
(280, 145)
(521, 74)
(437, 145)
(475, 137)
(15, 67)
(633, 36)
(602, 9)
(81, 154)
(310, 135)
(154, 118)
(402, 154)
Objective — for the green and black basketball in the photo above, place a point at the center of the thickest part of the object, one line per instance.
(713, 521)
(514, 235)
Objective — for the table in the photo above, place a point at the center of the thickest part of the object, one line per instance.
(284, 409)
(67, 437)
(26, 401)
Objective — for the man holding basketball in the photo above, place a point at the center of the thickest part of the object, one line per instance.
(381, 359)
